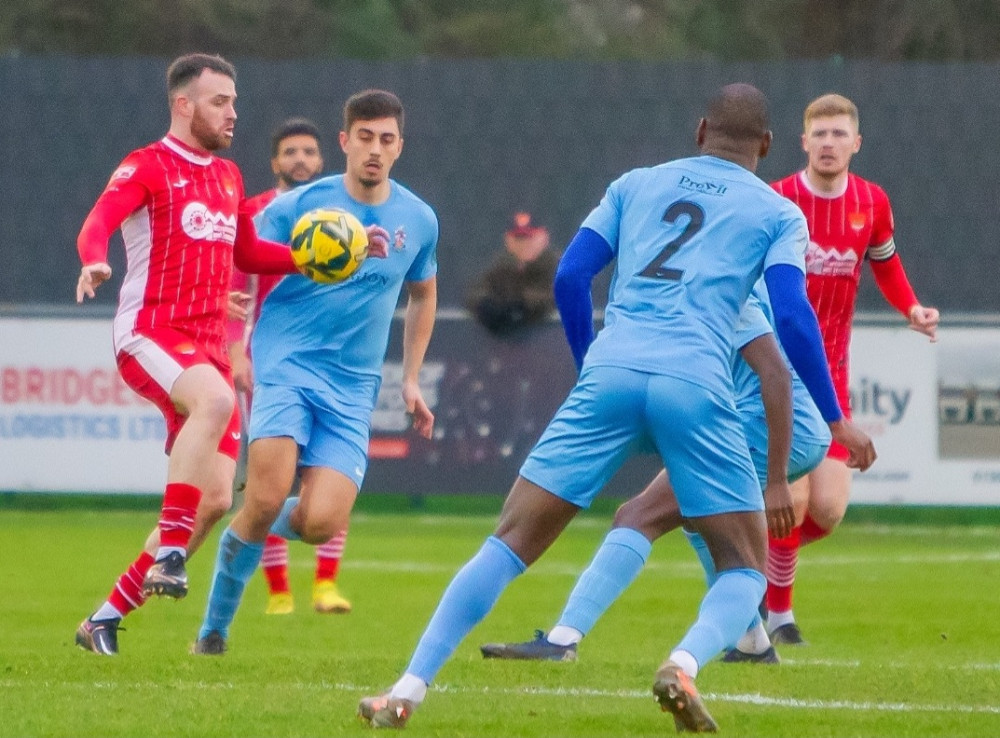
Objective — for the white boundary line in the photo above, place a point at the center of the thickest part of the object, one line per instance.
(749, 699)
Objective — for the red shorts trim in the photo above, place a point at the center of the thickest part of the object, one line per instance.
(151, 363)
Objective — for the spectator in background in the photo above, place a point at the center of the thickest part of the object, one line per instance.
(516, 291)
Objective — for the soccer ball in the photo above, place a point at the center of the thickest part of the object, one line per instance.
(328, 245)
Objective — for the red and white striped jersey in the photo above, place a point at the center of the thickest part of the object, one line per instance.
(179, 243)
(843, 230)
(256, 285)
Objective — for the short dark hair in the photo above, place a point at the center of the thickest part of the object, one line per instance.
(739, 112)
(293, 127)
(372, 105)
(185, 68)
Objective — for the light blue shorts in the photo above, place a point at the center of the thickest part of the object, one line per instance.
(330, 431)
(805, 454)
(613, 413)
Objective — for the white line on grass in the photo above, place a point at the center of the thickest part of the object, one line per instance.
(751, 699)
(682, 567)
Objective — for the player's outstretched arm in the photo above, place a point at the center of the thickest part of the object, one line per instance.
(895, 288)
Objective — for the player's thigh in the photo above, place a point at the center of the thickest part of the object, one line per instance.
(152, 364)
(829, 492)
(338, 436)
(653, 512)
(736, 540)
(800, 497)
(271, 466)
(531, 519)
(597, 427)
(700, 437)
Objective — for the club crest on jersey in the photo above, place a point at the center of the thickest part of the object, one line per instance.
(399, 239)
(857, 221)
(201, 223)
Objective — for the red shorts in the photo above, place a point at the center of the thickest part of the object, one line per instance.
(152, 361)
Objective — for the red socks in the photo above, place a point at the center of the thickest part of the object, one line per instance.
(811, 532)
(275, 564)
(328, 557)
(180, 502)
(127, 594)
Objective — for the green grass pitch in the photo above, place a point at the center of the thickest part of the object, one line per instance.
(902, 621)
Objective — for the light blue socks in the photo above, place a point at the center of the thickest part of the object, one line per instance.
(615, 566)
(282, 526)
(470, 596)
(730, 605)
(235, 563)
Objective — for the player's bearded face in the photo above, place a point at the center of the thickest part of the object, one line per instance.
(214, 115)
(371, 148)
(830, 142)
(298, 160)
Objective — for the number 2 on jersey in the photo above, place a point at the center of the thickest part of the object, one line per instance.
(656, 269)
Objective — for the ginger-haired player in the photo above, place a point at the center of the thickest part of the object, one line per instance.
(850, 221)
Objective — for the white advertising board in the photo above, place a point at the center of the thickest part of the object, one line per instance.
(67, 421)
(933, 411)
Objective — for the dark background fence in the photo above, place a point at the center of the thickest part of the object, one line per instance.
(486, 138)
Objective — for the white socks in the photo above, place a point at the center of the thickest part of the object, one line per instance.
(686, 661)
(754, 641)
(563, 635)
(409, 687)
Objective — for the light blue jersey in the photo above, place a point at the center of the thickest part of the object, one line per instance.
(758, 320)
(310, 332)
(810, 433)
(691, 238)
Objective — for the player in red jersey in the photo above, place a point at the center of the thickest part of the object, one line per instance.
(179, 210)
(850, 221)
(296, 158)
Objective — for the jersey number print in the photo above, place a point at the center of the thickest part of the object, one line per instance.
(696, 217)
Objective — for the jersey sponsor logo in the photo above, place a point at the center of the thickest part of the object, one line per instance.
(830, 262)
(201, 223)
(180, 183)
(122, 173)
(857, 221)
(399, 239)
(706, 188)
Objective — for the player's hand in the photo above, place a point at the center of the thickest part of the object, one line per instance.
(238, 306)
(241, 367)
(925, 320)
(91, 277)
(378, 241)
(778, 508)
(857, 442)
(416, 409)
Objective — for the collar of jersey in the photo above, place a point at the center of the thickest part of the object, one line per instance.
(822, 195)
(182, 149)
